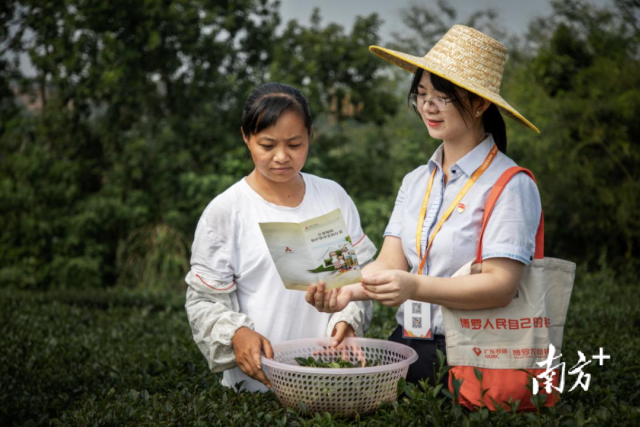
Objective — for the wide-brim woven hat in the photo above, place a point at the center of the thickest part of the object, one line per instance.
(466, 57)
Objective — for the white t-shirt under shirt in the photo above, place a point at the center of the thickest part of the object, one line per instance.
(233, 281)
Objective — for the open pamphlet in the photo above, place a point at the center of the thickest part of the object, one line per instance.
(307, 252)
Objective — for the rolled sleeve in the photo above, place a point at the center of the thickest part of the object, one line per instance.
(511, 230)
(365, 250)
(214, 248)
(214, 320)
(211, 301)
(364, 247)
(355, 314)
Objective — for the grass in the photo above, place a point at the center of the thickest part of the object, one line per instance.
(127, 358)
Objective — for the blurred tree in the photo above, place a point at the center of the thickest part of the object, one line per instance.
(128, 126)
(351, 96)
(583, 90)
(335, 69)
(425, 24)
(131, 125)
(135, 109)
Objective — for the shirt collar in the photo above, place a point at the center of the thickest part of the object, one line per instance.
(470, 162)
(473, 160)
(436, 159)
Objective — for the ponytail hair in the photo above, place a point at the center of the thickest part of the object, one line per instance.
(494, 124)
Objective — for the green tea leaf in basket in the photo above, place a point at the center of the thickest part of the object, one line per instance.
(335, 363)
(302, 361)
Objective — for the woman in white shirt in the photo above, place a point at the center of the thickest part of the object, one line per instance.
(236, 302)
(432, 232)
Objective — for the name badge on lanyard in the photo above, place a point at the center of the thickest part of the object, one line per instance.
(417, 314)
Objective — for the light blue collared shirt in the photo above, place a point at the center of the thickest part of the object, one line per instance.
(510, 232)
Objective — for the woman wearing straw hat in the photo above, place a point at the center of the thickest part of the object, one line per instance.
(438, 212)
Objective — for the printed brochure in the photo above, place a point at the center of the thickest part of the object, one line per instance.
(307, 252)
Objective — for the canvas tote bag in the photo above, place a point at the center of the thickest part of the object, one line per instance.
(505, 343)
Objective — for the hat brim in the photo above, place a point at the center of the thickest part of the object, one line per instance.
(412, 63)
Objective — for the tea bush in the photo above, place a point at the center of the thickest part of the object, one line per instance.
(127, 358)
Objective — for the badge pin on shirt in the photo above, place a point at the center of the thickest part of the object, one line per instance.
(461, 207)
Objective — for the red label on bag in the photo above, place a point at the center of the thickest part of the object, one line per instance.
(519, 353)
(524, 353)
(502, 323)
(491, 353)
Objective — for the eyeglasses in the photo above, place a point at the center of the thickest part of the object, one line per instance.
(418, 100)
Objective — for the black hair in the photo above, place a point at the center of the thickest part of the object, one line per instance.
(491, 119)
(267, 102)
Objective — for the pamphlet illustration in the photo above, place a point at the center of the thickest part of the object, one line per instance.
(313, 250)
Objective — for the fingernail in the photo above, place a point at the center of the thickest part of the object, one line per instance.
(334, 343)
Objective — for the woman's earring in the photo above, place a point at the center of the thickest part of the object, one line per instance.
(478, 113)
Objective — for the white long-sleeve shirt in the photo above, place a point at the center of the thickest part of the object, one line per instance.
(233, 281)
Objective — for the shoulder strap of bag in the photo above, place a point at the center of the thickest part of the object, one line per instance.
(496, 191)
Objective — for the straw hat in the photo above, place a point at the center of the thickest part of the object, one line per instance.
(467, 58)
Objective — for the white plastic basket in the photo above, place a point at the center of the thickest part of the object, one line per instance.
(342, 392)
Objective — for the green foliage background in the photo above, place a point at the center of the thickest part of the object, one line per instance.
(116, 358)
(129, 126)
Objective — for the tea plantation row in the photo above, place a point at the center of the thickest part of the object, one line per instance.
(127, 358)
